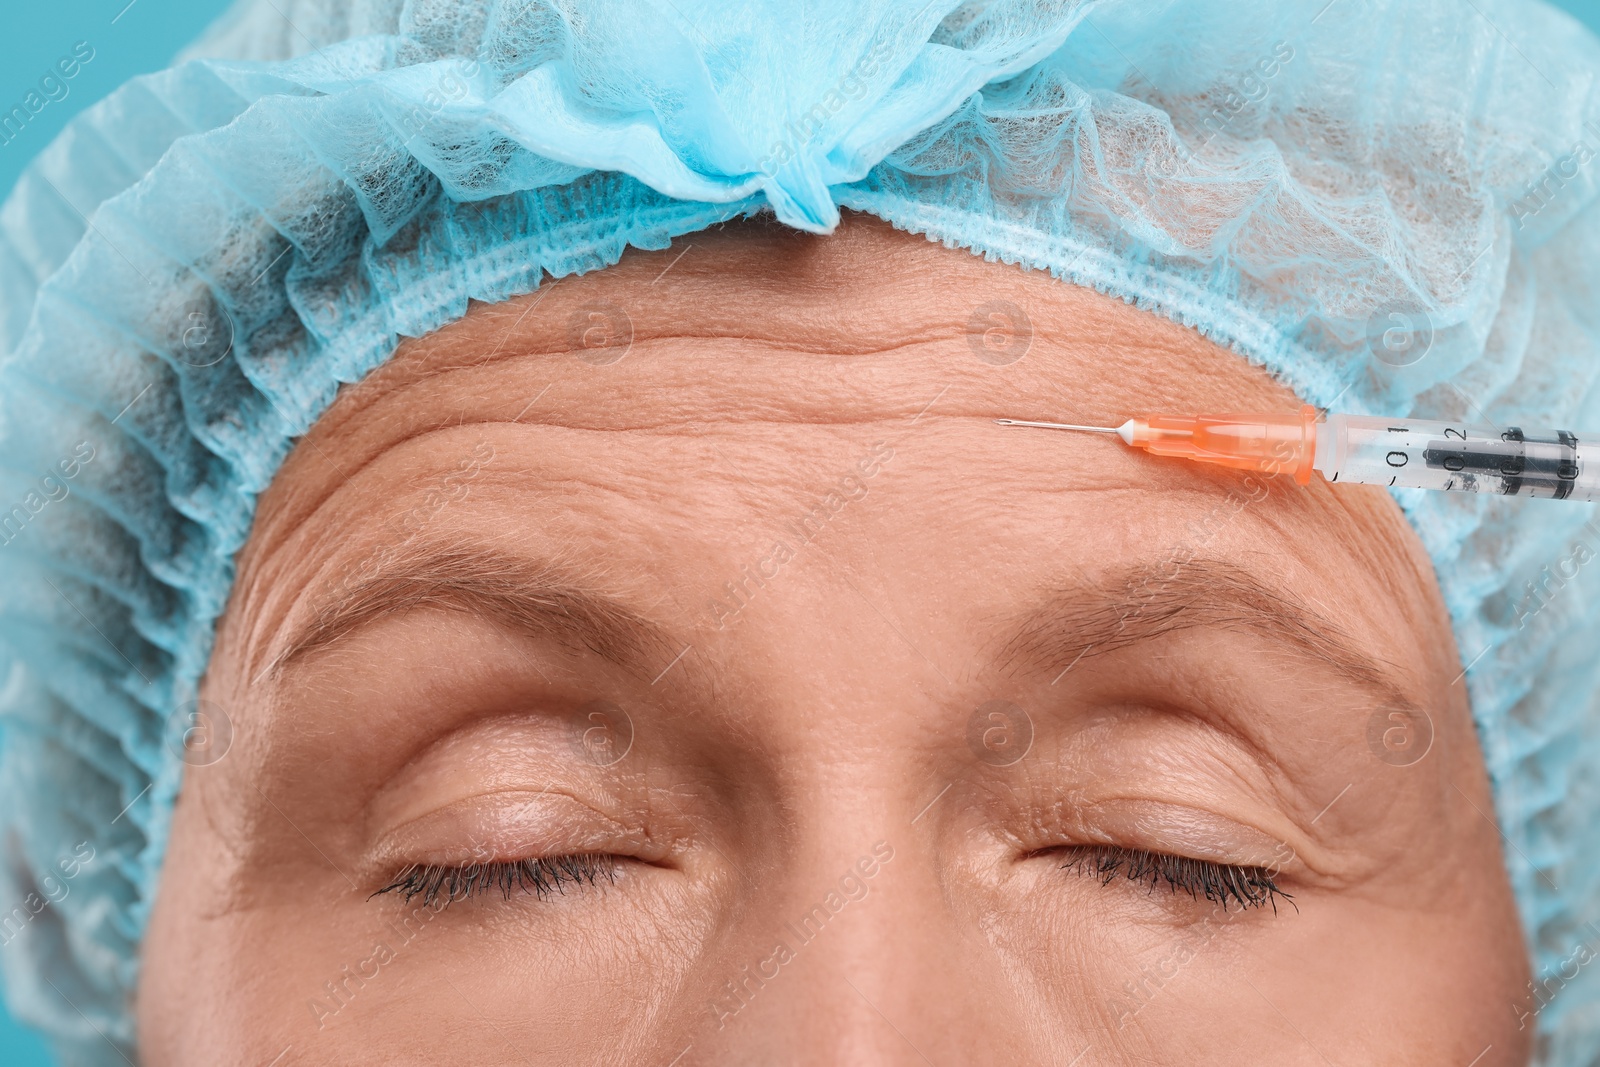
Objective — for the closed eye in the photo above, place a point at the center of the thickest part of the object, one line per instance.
(542, 876)
(1225, 884)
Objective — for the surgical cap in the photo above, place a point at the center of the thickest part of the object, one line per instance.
(1391, 206)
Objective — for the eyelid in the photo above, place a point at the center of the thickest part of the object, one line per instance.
(511, 825)
(536, 752)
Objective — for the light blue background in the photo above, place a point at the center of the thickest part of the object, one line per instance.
(131, 39)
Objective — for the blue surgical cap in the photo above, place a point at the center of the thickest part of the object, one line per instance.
(1389, 205)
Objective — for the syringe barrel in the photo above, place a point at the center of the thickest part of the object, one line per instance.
(1511, 461)
(1275, 444)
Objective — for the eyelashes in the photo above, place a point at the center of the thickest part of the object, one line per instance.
(1224, 884)
(1249, 887)
(541, 876)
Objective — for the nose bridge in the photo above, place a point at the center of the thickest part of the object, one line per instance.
(865, 965)
(852, 953)
(820, 994)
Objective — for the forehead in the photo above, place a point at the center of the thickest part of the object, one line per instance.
(711, 394)
(761, 342)
(756, 319)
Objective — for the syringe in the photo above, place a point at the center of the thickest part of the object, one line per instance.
(1453, 457)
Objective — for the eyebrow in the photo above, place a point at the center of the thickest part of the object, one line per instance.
(1143, 602)
(540, 598)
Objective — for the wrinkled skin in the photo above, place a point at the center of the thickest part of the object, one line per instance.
(731, 612)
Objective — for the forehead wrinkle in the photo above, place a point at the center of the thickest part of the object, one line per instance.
(792, 374)
(683, 390)
(870, 289)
